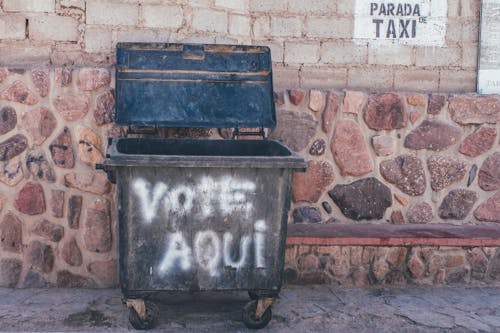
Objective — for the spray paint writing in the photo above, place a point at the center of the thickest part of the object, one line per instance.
(228, 195)
(209, 252)
(208, 249)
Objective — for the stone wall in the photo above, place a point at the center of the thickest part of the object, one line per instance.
(58, 224)
(364, 265)
(311, 41)
(393, 158)
(376, 158)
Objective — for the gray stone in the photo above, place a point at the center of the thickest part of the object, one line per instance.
(39, 167)
(8, 119)
(295, 129)
(363, 199)
(457, 204)
(306, 214)
(10, 271)
(13, 146)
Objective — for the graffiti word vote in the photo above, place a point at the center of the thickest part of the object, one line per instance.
(227, 194)
(208, 251)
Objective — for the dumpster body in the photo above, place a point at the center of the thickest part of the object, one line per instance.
(199, 214)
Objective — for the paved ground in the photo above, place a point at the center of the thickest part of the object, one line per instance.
(300, 309)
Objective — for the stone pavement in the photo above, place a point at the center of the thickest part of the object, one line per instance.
(300, 309)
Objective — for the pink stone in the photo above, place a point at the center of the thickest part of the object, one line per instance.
(63, 76)
(279, 98)
(93, 78)
(296, 96)
(383, 145)
(66, 279)
(475, 109)
(478, 142)
(57, 203)
(92, 182)
(71, 253)
(11, 173)
(72, 107)
(309, 186)
(397, 217)
(41, 81)
(97, 232)
(420, 213)
(350, 150)
(414, 116)
(18, 92)
(11, 234)
(8, 119)
(353, 101)
(433, 135)
(330, 111)
(308, 262)
(316, 100)
(39, 123)
(417, 100)
(89, 146)
(105, 271)
(489, 211)
(436, 104)
(385, 111)
(30, 200)
(295, 128)
(4, 72)
(489, 173)
(61, 150)
(416, 266)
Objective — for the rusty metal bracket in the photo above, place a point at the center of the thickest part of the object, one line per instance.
(263, 304)
(138, 305)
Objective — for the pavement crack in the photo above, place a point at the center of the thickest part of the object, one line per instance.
(337, 297)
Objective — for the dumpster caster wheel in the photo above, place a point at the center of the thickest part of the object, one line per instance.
(149, 320)
(251, 318)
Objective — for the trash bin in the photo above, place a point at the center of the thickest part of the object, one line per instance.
(198, 214)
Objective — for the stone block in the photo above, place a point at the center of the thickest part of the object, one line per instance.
(162, 16)
(53, 27)
(301, 53)
(239, 25)
(97, 39)
(311, 6)
(323, 78)
(343, 52)
(110, 12)
(457, 81)
(438, 56)
(373, 79)
(12, 27)
(416, 80)
(329, 27)
(209, 20)
(261, 26)
(240, 5)
(390, 55)
(97, 231)
(42, 6)
(286, 26)
(309, 186)
(266, 6)
(23, 54)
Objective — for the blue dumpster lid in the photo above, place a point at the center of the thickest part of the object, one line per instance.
(194, 85)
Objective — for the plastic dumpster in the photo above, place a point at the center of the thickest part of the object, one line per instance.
(199, 214)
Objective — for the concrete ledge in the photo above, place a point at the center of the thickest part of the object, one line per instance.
(393, 235)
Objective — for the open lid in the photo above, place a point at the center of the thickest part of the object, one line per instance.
(194, 85)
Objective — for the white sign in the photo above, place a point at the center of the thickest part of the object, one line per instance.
(411, 22)
(488, 81)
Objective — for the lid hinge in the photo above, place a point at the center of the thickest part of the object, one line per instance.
(239, 133)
